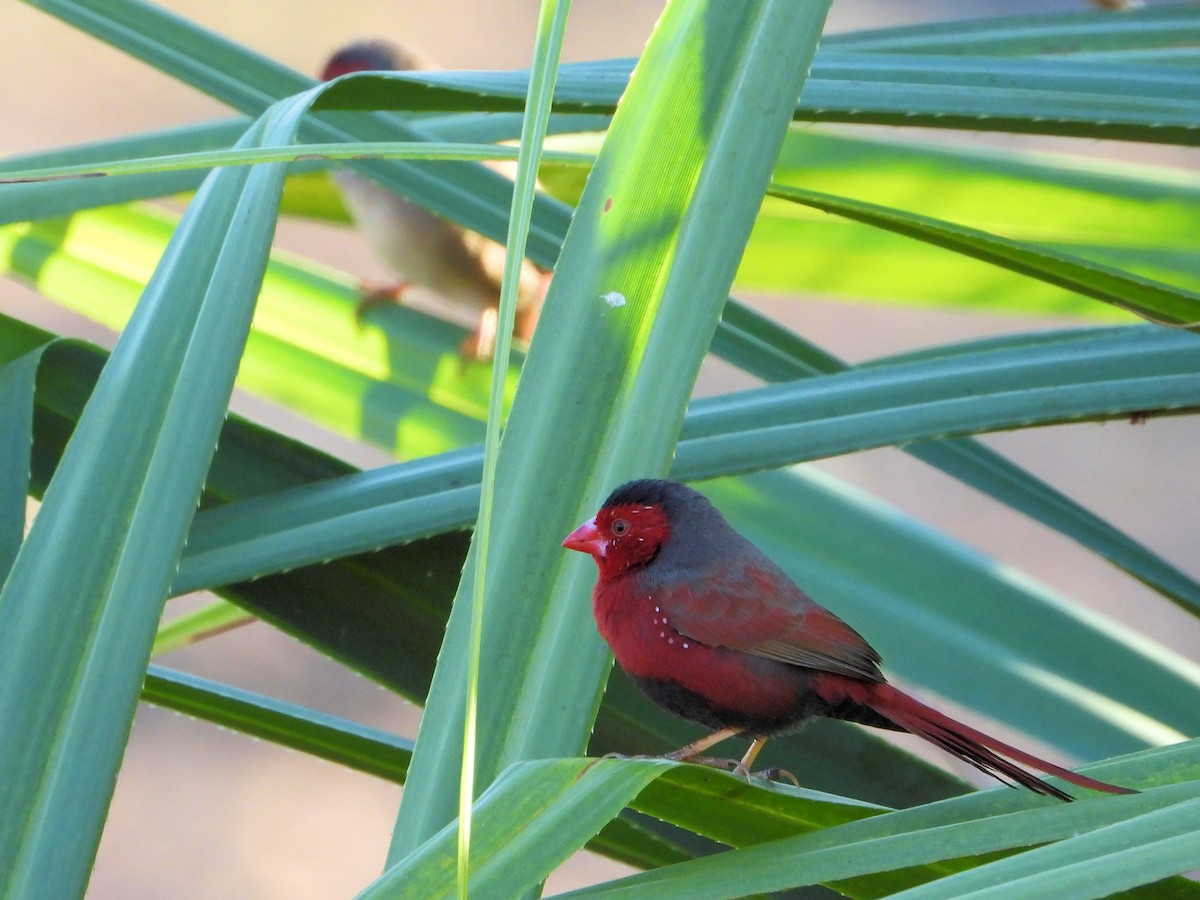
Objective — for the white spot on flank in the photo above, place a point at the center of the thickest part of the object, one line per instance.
(662, 634)
(685, 645)
(613, 299)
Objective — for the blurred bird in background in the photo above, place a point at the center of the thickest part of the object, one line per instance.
(423, 250)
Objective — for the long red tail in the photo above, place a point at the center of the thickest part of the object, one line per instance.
(972, 746)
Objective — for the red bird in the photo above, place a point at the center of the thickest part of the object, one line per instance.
(713, 631)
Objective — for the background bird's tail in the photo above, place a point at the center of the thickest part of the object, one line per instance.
(984, 752)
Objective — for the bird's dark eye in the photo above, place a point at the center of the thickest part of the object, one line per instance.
(619, 527)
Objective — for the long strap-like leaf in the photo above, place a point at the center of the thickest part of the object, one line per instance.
(74, 638)
(632, 308)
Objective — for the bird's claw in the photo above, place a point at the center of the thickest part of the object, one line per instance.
(776, 774)
(372, 295)
(735, 767)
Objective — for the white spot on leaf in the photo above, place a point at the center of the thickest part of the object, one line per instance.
(613, 299)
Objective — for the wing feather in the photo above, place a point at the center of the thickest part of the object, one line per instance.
(752, 606)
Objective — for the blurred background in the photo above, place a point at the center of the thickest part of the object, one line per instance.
(201, 812)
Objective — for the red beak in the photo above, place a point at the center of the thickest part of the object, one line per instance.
(587, 539)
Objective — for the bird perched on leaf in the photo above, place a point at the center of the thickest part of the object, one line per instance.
(713, 631)
(420, 248)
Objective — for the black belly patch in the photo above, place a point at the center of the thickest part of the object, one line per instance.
(675, 698)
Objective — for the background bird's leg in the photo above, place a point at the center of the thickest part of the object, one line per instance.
(481, 343)
(695, 748)
(527, 314)
(372, 295)
(526, 321)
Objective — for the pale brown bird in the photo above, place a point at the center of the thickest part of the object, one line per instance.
(420, 248)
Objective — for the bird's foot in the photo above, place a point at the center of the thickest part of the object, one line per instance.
(373, 295)
(628, 756)
(679, 755)
(776, 774)
(473, 350)
(736, 767)
(527, 318)
(480, 344)
(715, 762)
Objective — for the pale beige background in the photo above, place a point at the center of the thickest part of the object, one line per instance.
(203, 813)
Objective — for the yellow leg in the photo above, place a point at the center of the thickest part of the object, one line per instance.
(743, 768)
(526, 321)
(751, 755)
(480, 344)
(695, 748)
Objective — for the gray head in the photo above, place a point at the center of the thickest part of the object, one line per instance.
(698, 535)
(372, 56)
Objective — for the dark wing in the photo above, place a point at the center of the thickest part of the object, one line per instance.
(752, 606)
